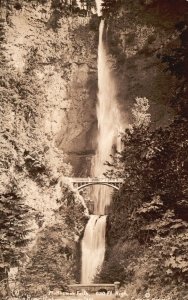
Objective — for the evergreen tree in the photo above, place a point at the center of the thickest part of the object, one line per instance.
(14, 216)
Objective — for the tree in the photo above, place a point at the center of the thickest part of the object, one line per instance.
(152, 202)
(110, 6)
(14, 216)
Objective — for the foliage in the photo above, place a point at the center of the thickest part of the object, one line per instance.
(110, 7)
(150, 206)
(177, 64)
(87, 4)
(15, 220)
(14, 227)
(30, 163)
(141, 117)
(52, 261)
(116, 265)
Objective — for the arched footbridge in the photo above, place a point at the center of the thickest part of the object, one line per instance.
(81, 183)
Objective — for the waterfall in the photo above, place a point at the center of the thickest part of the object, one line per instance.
(108, 122)
(108, 116)
(93, 247)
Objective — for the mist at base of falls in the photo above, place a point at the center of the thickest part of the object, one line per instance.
(109, 126)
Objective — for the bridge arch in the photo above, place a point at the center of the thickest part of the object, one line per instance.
(81, 183)
(81, 187)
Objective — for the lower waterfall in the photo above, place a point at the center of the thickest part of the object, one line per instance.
(93, 247)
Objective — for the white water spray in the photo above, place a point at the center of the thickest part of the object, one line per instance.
(93, 243)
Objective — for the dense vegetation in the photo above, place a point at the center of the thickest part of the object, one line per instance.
(53, 262)
(148, 224)
(31, 168)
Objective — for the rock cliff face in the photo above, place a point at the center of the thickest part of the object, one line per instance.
(56, 52)
(137, 34)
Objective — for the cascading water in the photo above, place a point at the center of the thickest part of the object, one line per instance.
(93, 247)
(108, 123)
(93, 242)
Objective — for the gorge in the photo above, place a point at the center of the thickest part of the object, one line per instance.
(68, 84)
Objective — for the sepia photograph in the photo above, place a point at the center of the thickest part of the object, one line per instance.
(93, 149)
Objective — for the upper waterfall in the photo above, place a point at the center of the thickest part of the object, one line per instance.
(109, 124)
